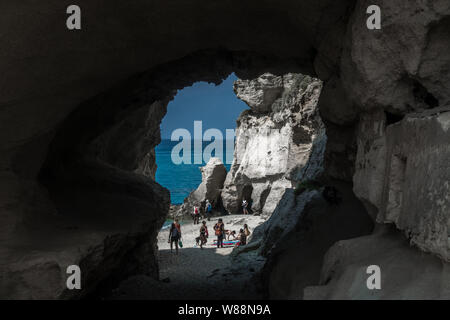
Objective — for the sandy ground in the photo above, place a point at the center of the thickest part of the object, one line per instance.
(194, 273)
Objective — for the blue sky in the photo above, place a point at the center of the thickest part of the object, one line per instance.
(216, 106)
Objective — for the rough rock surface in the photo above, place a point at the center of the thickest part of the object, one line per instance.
(147, 166)
(275, 140)
(88, 229)
(403, 175)
(295, 238)
(405, 272)
(400, 67)
(94, 205)
(213, 177)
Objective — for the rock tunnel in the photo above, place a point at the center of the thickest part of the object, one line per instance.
(79, 112)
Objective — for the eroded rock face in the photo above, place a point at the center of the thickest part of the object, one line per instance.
(275, 139)
(403, 175)
(405, 272)
(213, 177)
(298, 234)
(400, 67)
(96, 204)
(85, 225)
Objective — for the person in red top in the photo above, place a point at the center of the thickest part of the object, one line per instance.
(196, 215)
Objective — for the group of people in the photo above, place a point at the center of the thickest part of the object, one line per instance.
(222, 233)
(242, 236)
(196, 213)
(219, 231)
(329, 193)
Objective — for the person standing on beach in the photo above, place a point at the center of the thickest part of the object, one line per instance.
(219, 228)
(196, 215)
(244, 206)
(208, 209)
(246, 230)
(203, 234)
(174, 235)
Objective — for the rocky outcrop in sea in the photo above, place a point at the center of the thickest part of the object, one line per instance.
(213, 177)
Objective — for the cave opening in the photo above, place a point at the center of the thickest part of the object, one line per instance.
(102, 180)
(267, 164)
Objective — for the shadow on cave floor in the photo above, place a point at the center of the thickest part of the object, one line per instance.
(193, 274)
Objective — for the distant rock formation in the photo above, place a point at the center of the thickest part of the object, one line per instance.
(213, 177)
(275, 140)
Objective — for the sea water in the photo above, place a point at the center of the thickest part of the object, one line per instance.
(182, 179)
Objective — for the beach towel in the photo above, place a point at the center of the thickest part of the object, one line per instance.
(226, 243)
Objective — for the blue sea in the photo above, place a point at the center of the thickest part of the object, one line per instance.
(182, 179)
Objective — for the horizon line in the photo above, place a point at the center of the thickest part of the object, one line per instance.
(196, 140)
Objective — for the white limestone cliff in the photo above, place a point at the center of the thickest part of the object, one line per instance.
(275, 139)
